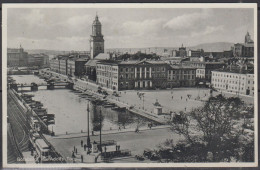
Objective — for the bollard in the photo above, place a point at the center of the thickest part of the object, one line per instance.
(66, 132)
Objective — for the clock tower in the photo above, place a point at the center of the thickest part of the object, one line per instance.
(96, 39)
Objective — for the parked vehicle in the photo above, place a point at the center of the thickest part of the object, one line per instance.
(139, 157)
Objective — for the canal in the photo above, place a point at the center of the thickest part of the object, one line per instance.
(70, 110)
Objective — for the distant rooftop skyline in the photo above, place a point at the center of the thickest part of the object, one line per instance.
(70, 29)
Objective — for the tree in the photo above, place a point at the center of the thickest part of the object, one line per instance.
(215, 129)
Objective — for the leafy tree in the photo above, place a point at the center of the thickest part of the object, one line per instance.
(216, 130)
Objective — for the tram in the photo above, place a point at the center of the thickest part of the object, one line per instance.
(33, 137)
(42, 151)
(35, 125)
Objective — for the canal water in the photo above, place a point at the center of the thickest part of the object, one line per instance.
(70, 110)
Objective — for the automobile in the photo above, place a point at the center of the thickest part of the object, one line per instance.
(139, 157)
(154, 157)
(147, 153)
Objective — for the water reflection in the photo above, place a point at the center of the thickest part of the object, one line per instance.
(70, 111)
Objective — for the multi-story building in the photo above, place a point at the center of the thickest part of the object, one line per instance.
(71, 67)
(196, 53)
(203, 71)
(55, 64)
(234, 80)
(107, 74)
(76, 66)
(250, 83)
(132, 74)
(16, 57)
(72, 64)
(41, 60)
(63, 65)
(245, 49)
(96, 39)
(181, 76)
(30, 60)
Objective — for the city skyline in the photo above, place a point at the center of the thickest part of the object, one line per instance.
(70, 29)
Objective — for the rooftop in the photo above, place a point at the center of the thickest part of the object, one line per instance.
(182, 67)
(240, 70)
(102, 56)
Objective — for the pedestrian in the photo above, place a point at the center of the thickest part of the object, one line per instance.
(119, 128)
(93, 133)
(181, 97)
(172, 97)
(74, 148)
(76, 151)
(73, 155)
(105, 149)
(118, 148)
(81, 158)
(85, 146)
(81, 143)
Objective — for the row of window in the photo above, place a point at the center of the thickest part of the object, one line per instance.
(132, 76)
(184, 77)
(182, 72)
(226, 75)
(142, 69)
(229, 81)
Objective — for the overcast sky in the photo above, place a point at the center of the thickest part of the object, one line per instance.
(70, 29)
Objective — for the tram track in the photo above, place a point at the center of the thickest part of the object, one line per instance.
(22, 120)
(19, 124)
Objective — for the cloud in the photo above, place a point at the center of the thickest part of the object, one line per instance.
(62, 43)
(139, 28)
(35, 18)
(208, 30)
(187, 21)
(79, 21)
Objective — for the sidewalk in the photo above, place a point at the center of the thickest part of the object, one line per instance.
(84, 134)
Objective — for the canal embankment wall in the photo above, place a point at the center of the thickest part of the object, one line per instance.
(92, 88)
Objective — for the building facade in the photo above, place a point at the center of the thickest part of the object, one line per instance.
(126, 75)
(204, 69)
(16, 57)
(96, 39)
(55, 65)
(245, 49)
(107, 74)
(63, 66)
(196, 53)
(233, 81)
(181, 76)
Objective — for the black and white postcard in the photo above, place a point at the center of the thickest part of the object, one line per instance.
(129, 85)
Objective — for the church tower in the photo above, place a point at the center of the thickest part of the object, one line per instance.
(248, 39)
(96, 39)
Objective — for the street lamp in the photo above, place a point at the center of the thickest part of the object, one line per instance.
(88, 138)
(100, 114)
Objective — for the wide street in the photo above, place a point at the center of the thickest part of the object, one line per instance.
(135, 142)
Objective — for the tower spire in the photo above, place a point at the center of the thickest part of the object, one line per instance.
(96, 15)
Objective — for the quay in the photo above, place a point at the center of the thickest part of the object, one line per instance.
(22, 111)
(89, 88)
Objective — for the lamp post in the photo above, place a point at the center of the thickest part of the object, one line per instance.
(88, 138)
(143, 101)
(100, 130)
